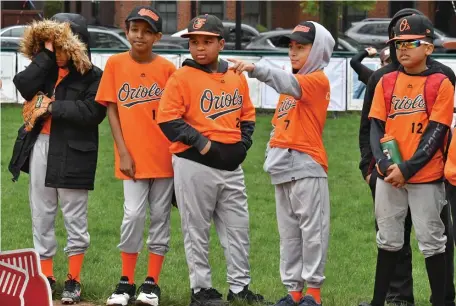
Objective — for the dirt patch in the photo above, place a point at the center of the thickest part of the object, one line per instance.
(57, 303)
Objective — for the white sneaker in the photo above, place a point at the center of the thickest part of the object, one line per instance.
(149, 293)
(124, 293)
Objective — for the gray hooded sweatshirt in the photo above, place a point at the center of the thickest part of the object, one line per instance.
(285, 165)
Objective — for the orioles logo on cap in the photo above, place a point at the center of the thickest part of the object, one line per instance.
(198, 23)
(148, 13)
(404, 25)
(301, 28)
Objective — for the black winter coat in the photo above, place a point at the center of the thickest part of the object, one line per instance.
(73, 142)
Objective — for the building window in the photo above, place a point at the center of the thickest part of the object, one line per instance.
(168, 11)
(216, 8)
(251, 13)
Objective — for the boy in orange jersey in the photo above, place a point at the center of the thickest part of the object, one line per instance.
(132, 85)
(207, 114)
(296, 160)
(415, 106)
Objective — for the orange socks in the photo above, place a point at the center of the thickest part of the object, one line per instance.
(315, 293)
(155, 266)
(129, 265)
(296, 295)
(47, 267)
(75, 266)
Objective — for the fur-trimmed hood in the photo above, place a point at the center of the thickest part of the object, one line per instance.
(68, 31)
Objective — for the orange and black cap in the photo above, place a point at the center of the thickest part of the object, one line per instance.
(205, 25)
(148, 14)
(413, 27)
(303, 33)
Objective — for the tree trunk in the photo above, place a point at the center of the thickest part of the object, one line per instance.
(329, 18)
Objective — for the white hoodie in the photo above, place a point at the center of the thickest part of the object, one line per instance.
(285, 165)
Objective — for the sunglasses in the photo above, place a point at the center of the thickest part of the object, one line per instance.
(410, 44)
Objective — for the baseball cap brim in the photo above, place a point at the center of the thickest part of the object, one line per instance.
(406, 37)
(187, 35)
(154, 27)
(286, 39)
(451, 44)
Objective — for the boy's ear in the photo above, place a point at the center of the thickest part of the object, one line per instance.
(429, 49)
(221, 44)
(159, 36)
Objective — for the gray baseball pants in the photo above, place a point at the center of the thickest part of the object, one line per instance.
(44, 203)
(204, 194)
(303, 216)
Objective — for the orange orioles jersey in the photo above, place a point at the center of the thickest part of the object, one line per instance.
(137, 89)
(214, 104)
(408, 119)
(46, 129)
(299, 123)
(450, 165)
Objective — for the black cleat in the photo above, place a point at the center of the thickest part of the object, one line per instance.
(207, 297)
(246, 296)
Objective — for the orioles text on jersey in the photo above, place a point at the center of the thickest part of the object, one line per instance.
(407, 106)
(287, 104)
(142, 94)
(219, 105)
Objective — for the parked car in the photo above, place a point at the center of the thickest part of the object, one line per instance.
(247, 34)
(106, 38)
(12, 31)
(374, 32)
(9, 42)
(100, 37)
(270, 41)
(119, 31)
(164, 45)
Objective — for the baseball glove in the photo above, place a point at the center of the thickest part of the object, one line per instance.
(35, 109)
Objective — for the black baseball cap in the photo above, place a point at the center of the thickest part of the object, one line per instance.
(148, 14)
(205, 25)
(412, 28)
(303, 33)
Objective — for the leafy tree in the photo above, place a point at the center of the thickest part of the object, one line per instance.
(330, 12)
(52, 7)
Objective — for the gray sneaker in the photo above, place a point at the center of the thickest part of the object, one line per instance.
(71, 291)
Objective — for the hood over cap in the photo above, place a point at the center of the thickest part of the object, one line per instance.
(68, 31)
(321, 52)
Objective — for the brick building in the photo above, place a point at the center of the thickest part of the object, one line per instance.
(260, 14)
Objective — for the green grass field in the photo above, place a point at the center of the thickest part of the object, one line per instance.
(352, 252)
